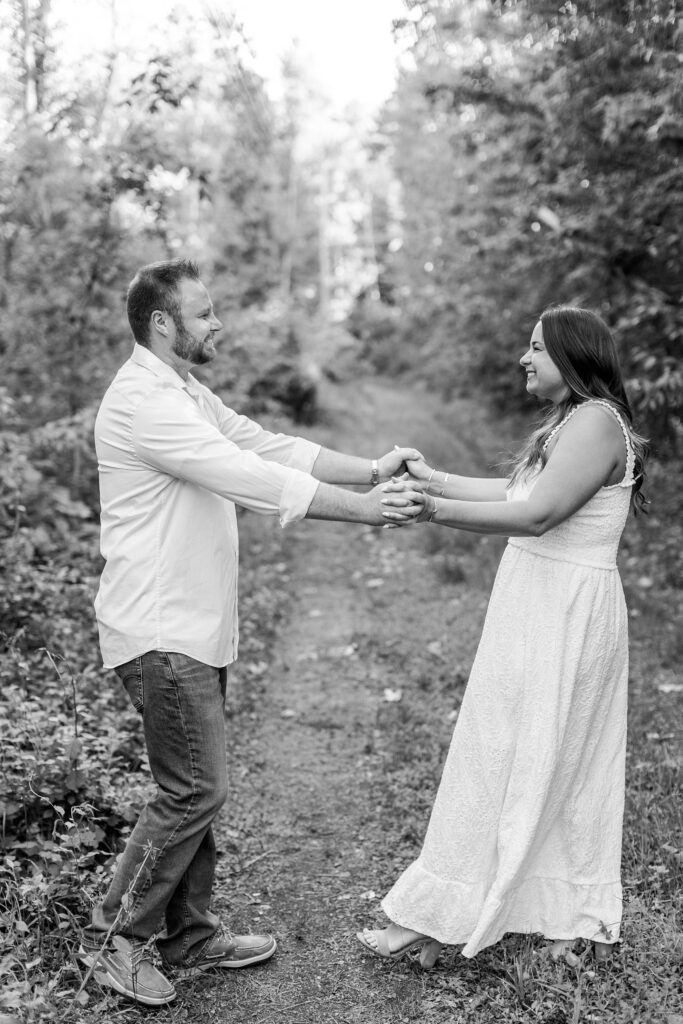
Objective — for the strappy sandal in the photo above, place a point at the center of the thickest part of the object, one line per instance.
(563, 949)
(429, 948)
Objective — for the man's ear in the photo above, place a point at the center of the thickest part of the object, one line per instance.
(158, 322)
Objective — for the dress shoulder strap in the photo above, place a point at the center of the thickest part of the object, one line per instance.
(558, 426)
(628, 477)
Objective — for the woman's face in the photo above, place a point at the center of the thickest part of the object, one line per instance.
(543, 379)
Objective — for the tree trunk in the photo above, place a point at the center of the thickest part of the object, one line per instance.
(34, 49)
(324, 267)
(29, 59)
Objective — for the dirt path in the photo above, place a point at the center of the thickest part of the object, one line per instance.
(329, 799)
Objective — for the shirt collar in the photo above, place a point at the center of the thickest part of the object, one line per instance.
(145, 357)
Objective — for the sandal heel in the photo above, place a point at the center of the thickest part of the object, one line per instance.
(429, 954)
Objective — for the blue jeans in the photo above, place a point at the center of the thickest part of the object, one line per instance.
(166, 872)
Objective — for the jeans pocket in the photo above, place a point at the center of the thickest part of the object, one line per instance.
(130, 675)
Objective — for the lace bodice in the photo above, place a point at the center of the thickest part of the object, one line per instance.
(591, 535)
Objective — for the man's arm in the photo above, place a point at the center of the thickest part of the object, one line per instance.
(329, 466)
(173, 437)
(335, 503)
(337, 468)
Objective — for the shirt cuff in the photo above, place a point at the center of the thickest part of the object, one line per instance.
(297, 495)
(304, 454)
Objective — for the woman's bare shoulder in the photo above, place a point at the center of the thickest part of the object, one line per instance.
(601, 418)
(592, 426)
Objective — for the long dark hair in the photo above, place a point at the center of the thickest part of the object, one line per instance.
(581, 346)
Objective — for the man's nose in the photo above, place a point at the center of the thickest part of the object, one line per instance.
(216, 323)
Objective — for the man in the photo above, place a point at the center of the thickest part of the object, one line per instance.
(172, 461)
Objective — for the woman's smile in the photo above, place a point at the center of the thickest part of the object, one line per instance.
(543, 379)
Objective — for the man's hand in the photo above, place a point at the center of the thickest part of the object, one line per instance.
(395, 462)
(336, 503)
(401, 496)
(404, 502)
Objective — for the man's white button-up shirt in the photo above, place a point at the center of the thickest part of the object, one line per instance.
(172, 460)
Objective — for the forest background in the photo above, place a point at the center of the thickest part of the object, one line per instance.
(530, 153)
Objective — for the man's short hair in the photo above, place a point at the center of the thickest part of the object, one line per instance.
(156, 287)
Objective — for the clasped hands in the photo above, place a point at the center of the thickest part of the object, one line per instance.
(403, 497)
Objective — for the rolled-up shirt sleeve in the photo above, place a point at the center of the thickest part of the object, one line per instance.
(170, 434)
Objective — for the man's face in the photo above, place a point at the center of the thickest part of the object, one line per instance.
(197, 324)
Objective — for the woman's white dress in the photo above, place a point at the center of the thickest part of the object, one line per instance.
(525, 833)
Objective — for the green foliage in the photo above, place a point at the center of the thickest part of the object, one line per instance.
(538, 148)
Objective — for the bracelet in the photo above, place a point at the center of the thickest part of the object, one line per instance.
(374, 473)
(445, 481)
(433, 512)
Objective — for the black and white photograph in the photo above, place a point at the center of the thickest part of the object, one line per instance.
(341, 511)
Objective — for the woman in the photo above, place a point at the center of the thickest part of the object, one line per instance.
(525, 833)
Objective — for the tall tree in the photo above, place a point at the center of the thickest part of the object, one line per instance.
(556, 134)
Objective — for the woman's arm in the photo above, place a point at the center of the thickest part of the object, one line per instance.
(587, 452)
(450, 485)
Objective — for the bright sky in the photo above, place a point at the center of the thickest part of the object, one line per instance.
(346, 45)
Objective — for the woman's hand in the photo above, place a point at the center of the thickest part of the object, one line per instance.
(396, 461)
(418, 469)
(404, 503)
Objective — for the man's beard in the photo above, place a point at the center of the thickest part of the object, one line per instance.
(188, 348)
